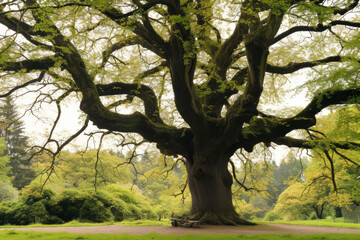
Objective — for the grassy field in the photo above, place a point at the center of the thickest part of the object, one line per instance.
(319, 223)
(16, 235)
(165, 222)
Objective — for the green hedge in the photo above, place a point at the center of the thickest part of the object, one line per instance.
(112, 203)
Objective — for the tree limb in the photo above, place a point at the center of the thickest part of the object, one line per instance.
(141, 91)
(318, 28)
(310, 144)
(330, 97)
(29, 65)
(293, 67)
(38, 79)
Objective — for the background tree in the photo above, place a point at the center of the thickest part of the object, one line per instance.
(7, 191)
(12, 129)
(198, 74)
(330, 182)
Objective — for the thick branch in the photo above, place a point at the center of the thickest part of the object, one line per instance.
(268, 128)
(310, 144)
(29, 65)
(330, 97)
(293, 67)
(116, 46)
(170, 138)
(141, 91)
(151, 39)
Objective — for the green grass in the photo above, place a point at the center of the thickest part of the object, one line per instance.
(165, 222)
(319, 223)
(17, 235)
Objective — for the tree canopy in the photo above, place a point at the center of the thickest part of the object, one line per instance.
(200, 78)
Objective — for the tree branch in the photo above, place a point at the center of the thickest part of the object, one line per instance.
(169, 138)
(29, 65)
(141, 91)
(38, 79)
(318, 28)
(293, 67)
(330, 97)
(310, 144)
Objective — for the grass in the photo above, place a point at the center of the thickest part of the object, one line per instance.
(165, 222)
(319, 223)
(17, 235)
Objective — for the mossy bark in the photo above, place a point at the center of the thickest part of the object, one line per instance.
(210, 185)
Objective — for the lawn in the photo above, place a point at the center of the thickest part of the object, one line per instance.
(17, 235)
(319, 223)
(165, 222)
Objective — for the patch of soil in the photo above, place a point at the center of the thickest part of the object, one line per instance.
(204, 229)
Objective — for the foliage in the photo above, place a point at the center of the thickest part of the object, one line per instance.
(12, 129)
(329, 181)
(4, 160)
(8, 192)
(82, 170)
(111, 203)
(271, 216)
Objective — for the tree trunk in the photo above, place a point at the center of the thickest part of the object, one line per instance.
(210, 185)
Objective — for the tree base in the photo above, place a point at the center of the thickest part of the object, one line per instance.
(219, 219)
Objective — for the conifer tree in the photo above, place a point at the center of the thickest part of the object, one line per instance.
(12, 129)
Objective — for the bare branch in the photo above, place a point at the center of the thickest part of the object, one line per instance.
(38, 79)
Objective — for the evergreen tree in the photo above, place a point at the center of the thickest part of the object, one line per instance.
(12, 129)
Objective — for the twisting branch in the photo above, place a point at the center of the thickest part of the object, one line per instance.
(141, 91)
(328, 98)
(332, 168)
(98, 158)
(293, 67)
(235, 177)
(318, 28)
(38, 79)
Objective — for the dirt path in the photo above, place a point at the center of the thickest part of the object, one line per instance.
(258, 229)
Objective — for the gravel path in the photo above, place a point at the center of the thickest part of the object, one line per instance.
(258, 229)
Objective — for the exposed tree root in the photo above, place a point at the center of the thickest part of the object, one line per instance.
(219, 219)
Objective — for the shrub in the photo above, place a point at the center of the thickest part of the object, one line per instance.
(8, 192)
(94, 210)
(313, 216)
(271, 216)
(109, 204)
(51, 220)
(68, 204)
(27, 214)
(7, 212)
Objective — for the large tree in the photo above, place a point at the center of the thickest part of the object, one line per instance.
(198, 73)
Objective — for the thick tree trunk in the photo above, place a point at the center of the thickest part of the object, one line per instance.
(210, 185)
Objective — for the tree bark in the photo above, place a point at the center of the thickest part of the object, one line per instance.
(210, 185)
